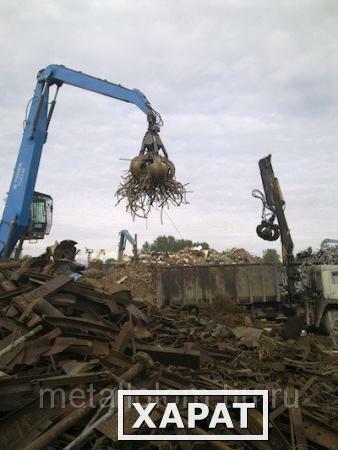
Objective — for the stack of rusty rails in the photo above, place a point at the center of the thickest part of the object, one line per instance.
(65, 344)
(236, 353)
(56, 333)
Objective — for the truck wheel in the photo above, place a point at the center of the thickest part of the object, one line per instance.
(330, 322)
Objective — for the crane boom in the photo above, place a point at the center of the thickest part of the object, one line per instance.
(56, 74)
(16, 216)
(274, 202)
(124, 237)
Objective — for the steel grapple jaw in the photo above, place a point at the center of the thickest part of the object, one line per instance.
(150, 181)
(268, 231)
(154, 167)
(149, 163)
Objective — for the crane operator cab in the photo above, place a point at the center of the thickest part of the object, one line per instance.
(41, 216)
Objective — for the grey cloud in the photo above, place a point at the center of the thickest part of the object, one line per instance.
(233, 80)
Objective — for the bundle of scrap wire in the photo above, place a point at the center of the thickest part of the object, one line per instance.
(150, 183)
(150, 180)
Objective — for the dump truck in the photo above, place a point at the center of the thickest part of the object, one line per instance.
(316, 299)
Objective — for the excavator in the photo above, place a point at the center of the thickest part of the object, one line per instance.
(124, 237)
(28, 214)
(318, 305)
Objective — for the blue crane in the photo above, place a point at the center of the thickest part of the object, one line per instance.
(124, 237)
(28, 213)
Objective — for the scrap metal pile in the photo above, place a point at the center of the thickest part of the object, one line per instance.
(195, 257)
(192, 256)
(150, 181)
(139, 278)
(326, 254)
(59, 333)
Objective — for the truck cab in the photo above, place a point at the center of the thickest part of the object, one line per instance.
(324, 281)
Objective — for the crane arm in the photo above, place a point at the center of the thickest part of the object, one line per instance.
(56, 74)
(273, 200)
(16, 215)
(124, 237)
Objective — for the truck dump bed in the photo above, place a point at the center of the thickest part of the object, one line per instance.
(246, 283)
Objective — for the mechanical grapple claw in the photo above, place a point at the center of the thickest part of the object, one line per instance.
(150, 180)
(158, 168)
(268, 231)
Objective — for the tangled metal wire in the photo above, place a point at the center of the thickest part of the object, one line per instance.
(150, 180)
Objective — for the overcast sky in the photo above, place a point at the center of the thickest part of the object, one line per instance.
(233, 81)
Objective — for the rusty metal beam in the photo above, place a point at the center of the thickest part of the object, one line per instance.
(176, 356)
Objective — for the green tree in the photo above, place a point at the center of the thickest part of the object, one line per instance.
(170, 244)
(203, 244)
(146, 247)
(110, 260)
(271, 256)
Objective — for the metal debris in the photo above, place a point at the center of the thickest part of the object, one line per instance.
(61, 333)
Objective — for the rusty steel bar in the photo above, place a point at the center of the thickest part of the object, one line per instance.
(20, 340)
(77, 414)
(10, 265)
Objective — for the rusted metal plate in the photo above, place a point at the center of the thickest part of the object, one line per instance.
(256, 283)
(320, 435)
(18, 429)
(246, 283)
(320, 432)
